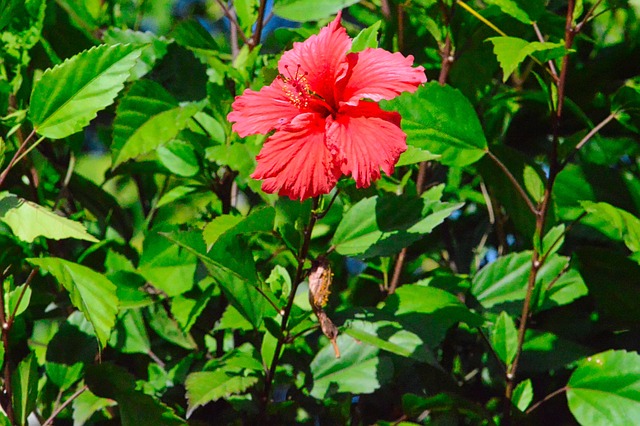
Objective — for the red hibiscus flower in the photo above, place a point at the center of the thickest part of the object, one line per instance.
(323, 126)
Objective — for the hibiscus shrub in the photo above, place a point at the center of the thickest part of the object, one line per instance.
(319, 212)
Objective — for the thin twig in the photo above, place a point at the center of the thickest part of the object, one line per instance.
(545, 399)
(257, 33)
(552, 66)
(560, 237)
(27, 283)
(397, 270)
(588, 16)
(514, 182)
(279, 310)
(587, 138)
(230, 16)
(57, 411)
(14, 160)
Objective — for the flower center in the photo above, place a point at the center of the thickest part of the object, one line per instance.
(296, 87)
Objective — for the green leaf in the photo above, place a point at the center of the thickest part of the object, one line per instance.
(153, 50)
(391, 337)
(605, 389)
(166, 266)
(206, 386)
(533, 183)
(130, 335)
(625, 104)
(553, 240)
(157, 129)
(367, 38)
(304, 11)
(85, 405)
(179, 157)
(383, 225)
(441, 120)
(511, 51)
(415, 155)
(68, 96)
(219, 226)
(359, 369)
(28, 220)
(20, 294)
(501, 285)
(511, 8)
(447, 403)
(90, 292)
(428, 311)
(615, 223)
(136, 408)
(504, 338)
(523, 395)
(24, 383)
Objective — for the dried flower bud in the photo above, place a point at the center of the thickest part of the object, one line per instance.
(320, 279)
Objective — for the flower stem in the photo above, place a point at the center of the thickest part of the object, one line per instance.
(302, 256)
(514, 182)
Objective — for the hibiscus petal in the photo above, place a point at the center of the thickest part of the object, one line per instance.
(322, 57)
(296, 162)
(367, 139)
(378, 74)
(260, 112)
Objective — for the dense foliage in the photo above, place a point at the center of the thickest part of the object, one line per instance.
(148, 280)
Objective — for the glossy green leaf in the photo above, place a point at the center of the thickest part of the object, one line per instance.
(90, 292)
(154, 48)
(428, 311)
(381, 226)
(511, 8)
(358, 370)
(504, 338)
(167, 266)
(206, 386)
(523, 395)
(304, 11)
(415, 155)
(130, 334)
(179, 157)
(219, 226)
(605, 389)
(135, 408)
(616, 223)
(68, 96)
(367, 38)
(625, 104)
(511, 51)
(389, 336)
(24, 382)
(441, 120)
(86, 404)
(502, 284)
(533, 183)
(28, 221)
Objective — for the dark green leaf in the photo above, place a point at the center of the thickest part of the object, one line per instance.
(207, 386)
(381, 226)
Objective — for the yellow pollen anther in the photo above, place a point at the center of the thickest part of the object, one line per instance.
(296, 87)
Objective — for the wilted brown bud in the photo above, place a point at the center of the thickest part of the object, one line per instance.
(320, 279)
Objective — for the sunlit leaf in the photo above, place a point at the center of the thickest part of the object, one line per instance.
(68, 96)
(89, 291)
(28, 221)
(605, 389)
